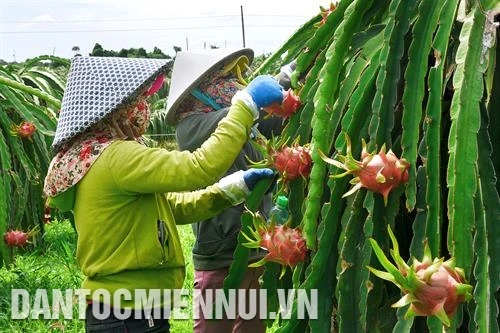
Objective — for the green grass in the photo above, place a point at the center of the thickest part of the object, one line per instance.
(53, 266)
(187, 241)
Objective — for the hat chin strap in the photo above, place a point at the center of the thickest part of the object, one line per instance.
(238, 66)
(239, 75)
(205, 99)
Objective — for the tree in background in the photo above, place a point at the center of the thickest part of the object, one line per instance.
(157, 53)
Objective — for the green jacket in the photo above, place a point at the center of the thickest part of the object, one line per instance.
(217, 237)
(118, 203)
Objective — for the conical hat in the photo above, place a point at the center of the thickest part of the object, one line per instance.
(191, 67)
(97, 86)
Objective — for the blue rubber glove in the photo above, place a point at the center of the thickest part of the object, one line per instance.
(265, 90)
(252, 176)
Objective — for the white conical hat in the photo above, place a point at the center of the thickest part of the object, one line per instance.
(191, 67)
(96, 86)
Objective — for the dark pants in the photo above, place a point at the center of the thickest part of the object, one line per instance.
(131, 325)
(205, 280)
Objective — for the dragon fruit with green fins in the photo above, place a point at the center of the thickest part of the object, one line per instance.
(379, 173)
(291, 161)
(16, 238)
(284, 245)
(24, 130)
(432, 287)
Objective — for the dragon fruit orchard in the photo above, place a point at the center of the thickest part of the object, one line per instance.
(420, 78)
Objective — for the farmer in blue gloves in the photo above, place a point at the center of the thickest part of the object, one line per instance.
(202, 87)
(127, 198)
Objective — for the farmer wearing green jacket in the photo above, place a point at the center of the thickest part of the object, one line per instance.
(202, 86)
(127, 198)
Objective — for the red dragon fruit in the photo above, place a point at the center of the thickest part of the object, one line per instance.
(24, 130)
(293, 162)
(16, 238)
(431, 287)
(379, 173)
(288, 107)
(284, 245)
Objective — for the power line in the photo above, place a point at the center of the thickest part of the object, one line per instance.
(121, 19)
(151, 19)
(41, 3)
(112, 30)
(150, 29)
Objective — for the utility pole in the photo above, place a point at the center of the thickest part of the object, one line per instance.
(187, 44)
(242, 25)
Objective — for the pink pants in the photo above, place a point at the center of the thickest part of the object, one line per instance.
(205, 280)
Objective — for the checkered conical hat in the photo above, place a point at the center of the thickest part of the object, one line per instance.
(97, 86)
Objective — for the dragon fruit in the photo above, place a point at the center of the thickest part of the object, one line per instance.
(379, 173)
(431, 287)
(293, 162)
(288, 107)
(324, 13)
(16, 238)
(24, 130)
(284, 245)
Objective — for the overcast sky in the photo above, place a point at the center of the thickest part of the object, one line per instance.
(29, 28)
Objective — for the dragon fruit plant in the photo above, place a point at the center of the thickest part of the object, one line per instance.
(30, 96)
(379, 173)
(432, 287)
(423, 78)
(284, 245)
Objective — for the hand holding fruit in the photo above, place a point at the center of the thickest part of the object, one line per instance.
(265, 90)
